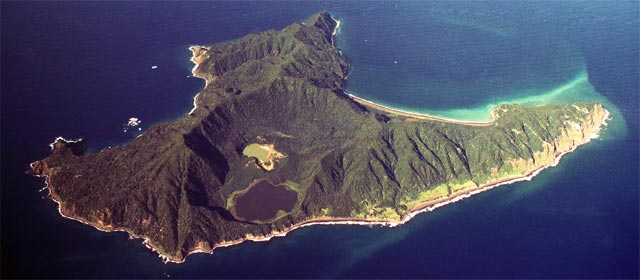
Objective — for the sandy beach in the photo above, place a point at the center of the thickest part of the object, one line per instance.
(390, 110)
(420, 208)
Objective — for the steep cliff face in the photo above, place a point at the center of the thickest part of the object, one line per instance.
(572, 134)
(285, 88)
(406, 162)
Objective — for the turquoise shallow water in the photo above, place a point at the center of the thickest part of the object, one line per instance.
(577, 220)
(577, 89)
(458, 65)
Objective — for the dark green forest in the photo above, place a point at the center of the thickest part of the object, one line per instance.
(346, 160)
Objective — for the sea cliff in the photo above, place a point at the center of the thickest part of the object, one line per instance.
(350, 161)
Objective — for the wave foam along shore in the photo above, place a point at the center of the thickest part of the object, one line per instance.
(335, 31)
(194, 74)
(427, 207)
(50, 195)
(577, 89)
(60, 138)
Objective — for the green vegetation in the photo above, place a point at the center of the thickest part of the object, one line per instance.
(174, 184)
(257, 151)
(437, 192)
(293, 185)
(266, 155)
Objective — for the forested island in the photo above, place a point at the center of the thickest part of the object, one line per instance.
(274, 143)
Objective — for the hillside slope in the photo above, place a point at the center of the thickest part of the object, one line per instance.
(174, 185)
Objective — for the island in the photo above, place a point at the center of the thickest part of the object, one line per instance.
(275, 143)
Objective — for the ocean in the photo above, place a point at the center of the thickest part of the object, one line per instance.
(82, 69)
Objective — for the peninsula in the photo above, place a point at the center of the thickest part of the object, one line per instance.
(274, 143)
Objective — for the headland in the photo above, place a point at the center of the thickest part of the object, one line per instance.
(351, 161)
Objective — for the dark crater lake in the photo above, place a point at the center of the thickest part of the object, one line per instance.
(263, 200)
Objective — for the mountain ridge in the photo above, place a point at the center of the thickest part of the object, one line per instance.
(349, 162)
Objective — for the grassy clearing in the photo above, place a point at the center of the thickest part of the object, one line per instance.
(266, 155)
(437, 192)
(261, 152)
(463, 186)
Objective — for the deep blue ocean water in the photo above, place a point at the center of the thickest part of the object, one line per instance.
(82, 69)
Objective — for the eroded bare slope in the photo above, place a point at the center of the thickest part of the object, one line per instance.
(173, 184)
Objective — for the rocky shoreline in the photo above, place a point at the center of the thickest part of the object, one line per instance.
(79, 178)
(421, 208)
(37, 169)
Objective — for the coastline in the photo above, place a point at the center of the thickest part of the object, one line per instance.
(420, 208)
(427, 206)
(194, 74)
(51, 195)
(368, 103)
(335, 32)
(359, 100)
(380, 107)
(60, 138)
